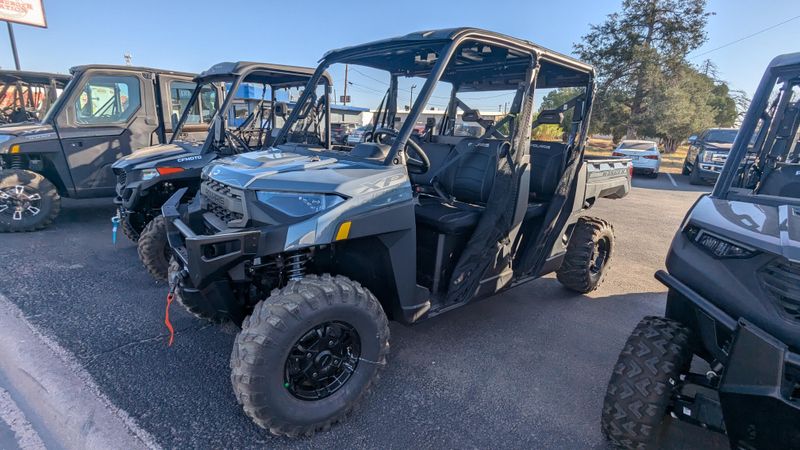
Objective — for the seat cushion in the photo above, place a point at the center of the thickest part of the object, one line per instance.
(447, 219)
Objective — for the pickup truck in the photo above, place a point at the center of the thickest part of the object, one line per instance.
(104, 113)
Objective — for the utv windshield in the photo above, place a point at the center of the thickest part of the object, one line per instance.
(770, 166)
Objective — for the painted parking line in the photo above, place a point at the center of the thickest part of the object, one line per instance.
(672, 180)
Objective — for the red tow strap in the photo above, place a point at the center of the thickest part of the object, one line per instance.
(170, 297)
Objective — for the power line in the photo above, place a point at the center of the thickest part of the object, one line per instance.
(747, 37)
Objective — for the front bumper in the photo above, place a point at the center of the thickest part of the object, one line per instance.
(760, 387)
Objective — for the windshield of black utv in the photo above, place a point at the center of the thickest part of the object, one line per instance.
(770, 166)
(378, 90)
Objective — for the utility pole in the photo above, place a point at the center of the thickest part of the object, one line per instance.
(411, 100)
(13, 45)
(346, 68)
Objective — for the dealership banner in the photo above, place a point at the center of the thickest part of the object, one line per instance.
(26, 12)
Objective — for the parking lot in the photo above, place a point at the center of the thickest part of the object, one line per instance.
(525, 369)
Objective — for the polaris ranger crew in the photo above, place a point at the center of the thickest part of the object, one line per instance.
(733, 273)
(27, 96)
(147, 177)
(104, 113)
(312, 246)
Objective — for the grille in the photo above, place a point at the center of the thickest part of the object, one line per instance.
(122, 178)
(782, 280)
(217, 209)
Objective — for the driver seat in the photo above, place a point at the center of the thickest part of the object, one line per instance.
(469, 182)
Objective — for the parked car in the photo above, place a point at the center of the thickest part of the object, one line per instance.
(147, 177)
(359, 135)
(707, 154)
(645, 156)
(726, 354)
(340, 132)
(311, 250)
(27, 96)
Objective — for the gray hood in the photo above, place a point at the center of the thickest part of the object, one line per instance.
(275, 169)
(774, 229)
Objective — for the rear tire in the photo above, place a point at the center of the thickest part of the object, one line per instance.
(153, 248)
(641, 386)
(268, 355)
(28, 201)
(588, 255)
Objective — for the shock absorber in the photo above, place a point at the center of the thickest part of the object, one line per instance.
(296, 265)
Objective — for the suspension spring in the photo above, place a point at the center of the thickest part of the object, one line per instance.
(17, 162)
(296, 265)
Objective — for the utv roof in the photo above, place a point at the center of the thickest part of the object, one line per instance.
(256, 72)
(410, 55)
(11, 76)
(789, 59)
(85, 67)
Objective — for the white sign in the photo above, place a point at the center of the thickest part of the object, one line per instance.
(26, 12)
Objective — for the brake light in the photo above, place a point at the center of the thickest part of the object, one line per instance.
(630, 170)
(169, 170)
(650, 156)
(617, 154)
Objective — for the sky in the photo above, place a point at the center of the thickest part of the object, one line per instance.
(193, 35)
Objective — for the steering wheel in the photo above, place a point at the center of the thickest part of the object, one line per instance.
(236, 142)
(418, 165)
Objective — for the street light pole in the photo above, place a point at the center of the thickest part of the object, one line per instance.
(346, 67)
(411, 100)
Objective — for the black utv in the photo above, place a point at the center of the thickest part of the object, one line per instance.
(147, 177)
(733, 274)
(104, 113)
(311, 246)
(27, 96)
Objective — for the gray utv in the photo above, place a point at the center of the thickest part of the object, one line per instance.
(147, 177)
(311, 246)
(27, 96)
(733, 273)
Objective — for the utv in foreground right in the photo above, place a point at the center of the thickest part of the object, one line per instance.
(734, 297)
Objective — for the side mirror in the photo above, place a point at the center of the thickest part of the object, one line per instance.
(692, 139)
(280, 109)
(217, 128)
(550, 117)
(174, 120)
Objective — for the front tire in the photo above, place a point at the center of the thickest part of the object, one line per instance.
(154, 250)
(644, 378)
(694, 178)
(28, 201)
(309, 354)
(588, 255)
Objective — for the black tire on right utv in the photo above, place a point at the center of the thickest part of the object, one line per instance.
(265, 354)
(18, 183)
(584, 267)
(153, 248)
(641, 386)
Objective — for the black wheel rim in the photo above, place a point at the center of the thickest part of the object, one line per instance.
(601, 252)
(322, 360)
(20, 201)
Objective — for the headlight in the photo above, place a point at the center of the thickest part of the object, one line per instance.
(149, 174)
(716, 245)
(298, 204)
(707, 156)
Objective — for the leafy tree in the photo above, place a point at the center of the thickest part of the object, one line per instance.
(632, 49)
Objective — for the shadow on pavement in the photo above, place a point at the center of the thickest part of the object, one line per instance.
(664, 183)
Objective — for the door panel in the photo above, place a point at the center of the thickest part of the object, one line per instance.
(176, 92)
(111, 114)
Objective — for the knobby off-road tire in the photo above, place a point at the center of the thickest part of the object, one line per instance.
(28, 201)
(128, 231)
(646, 373)
(266, 349)
(202, 310)
(153, 248)
(588, 256)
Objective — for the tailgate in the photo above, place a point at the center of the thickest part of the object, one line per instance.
(607, 177)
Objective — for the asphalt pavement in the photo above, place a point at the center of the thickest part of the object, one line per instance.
(525, 369)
